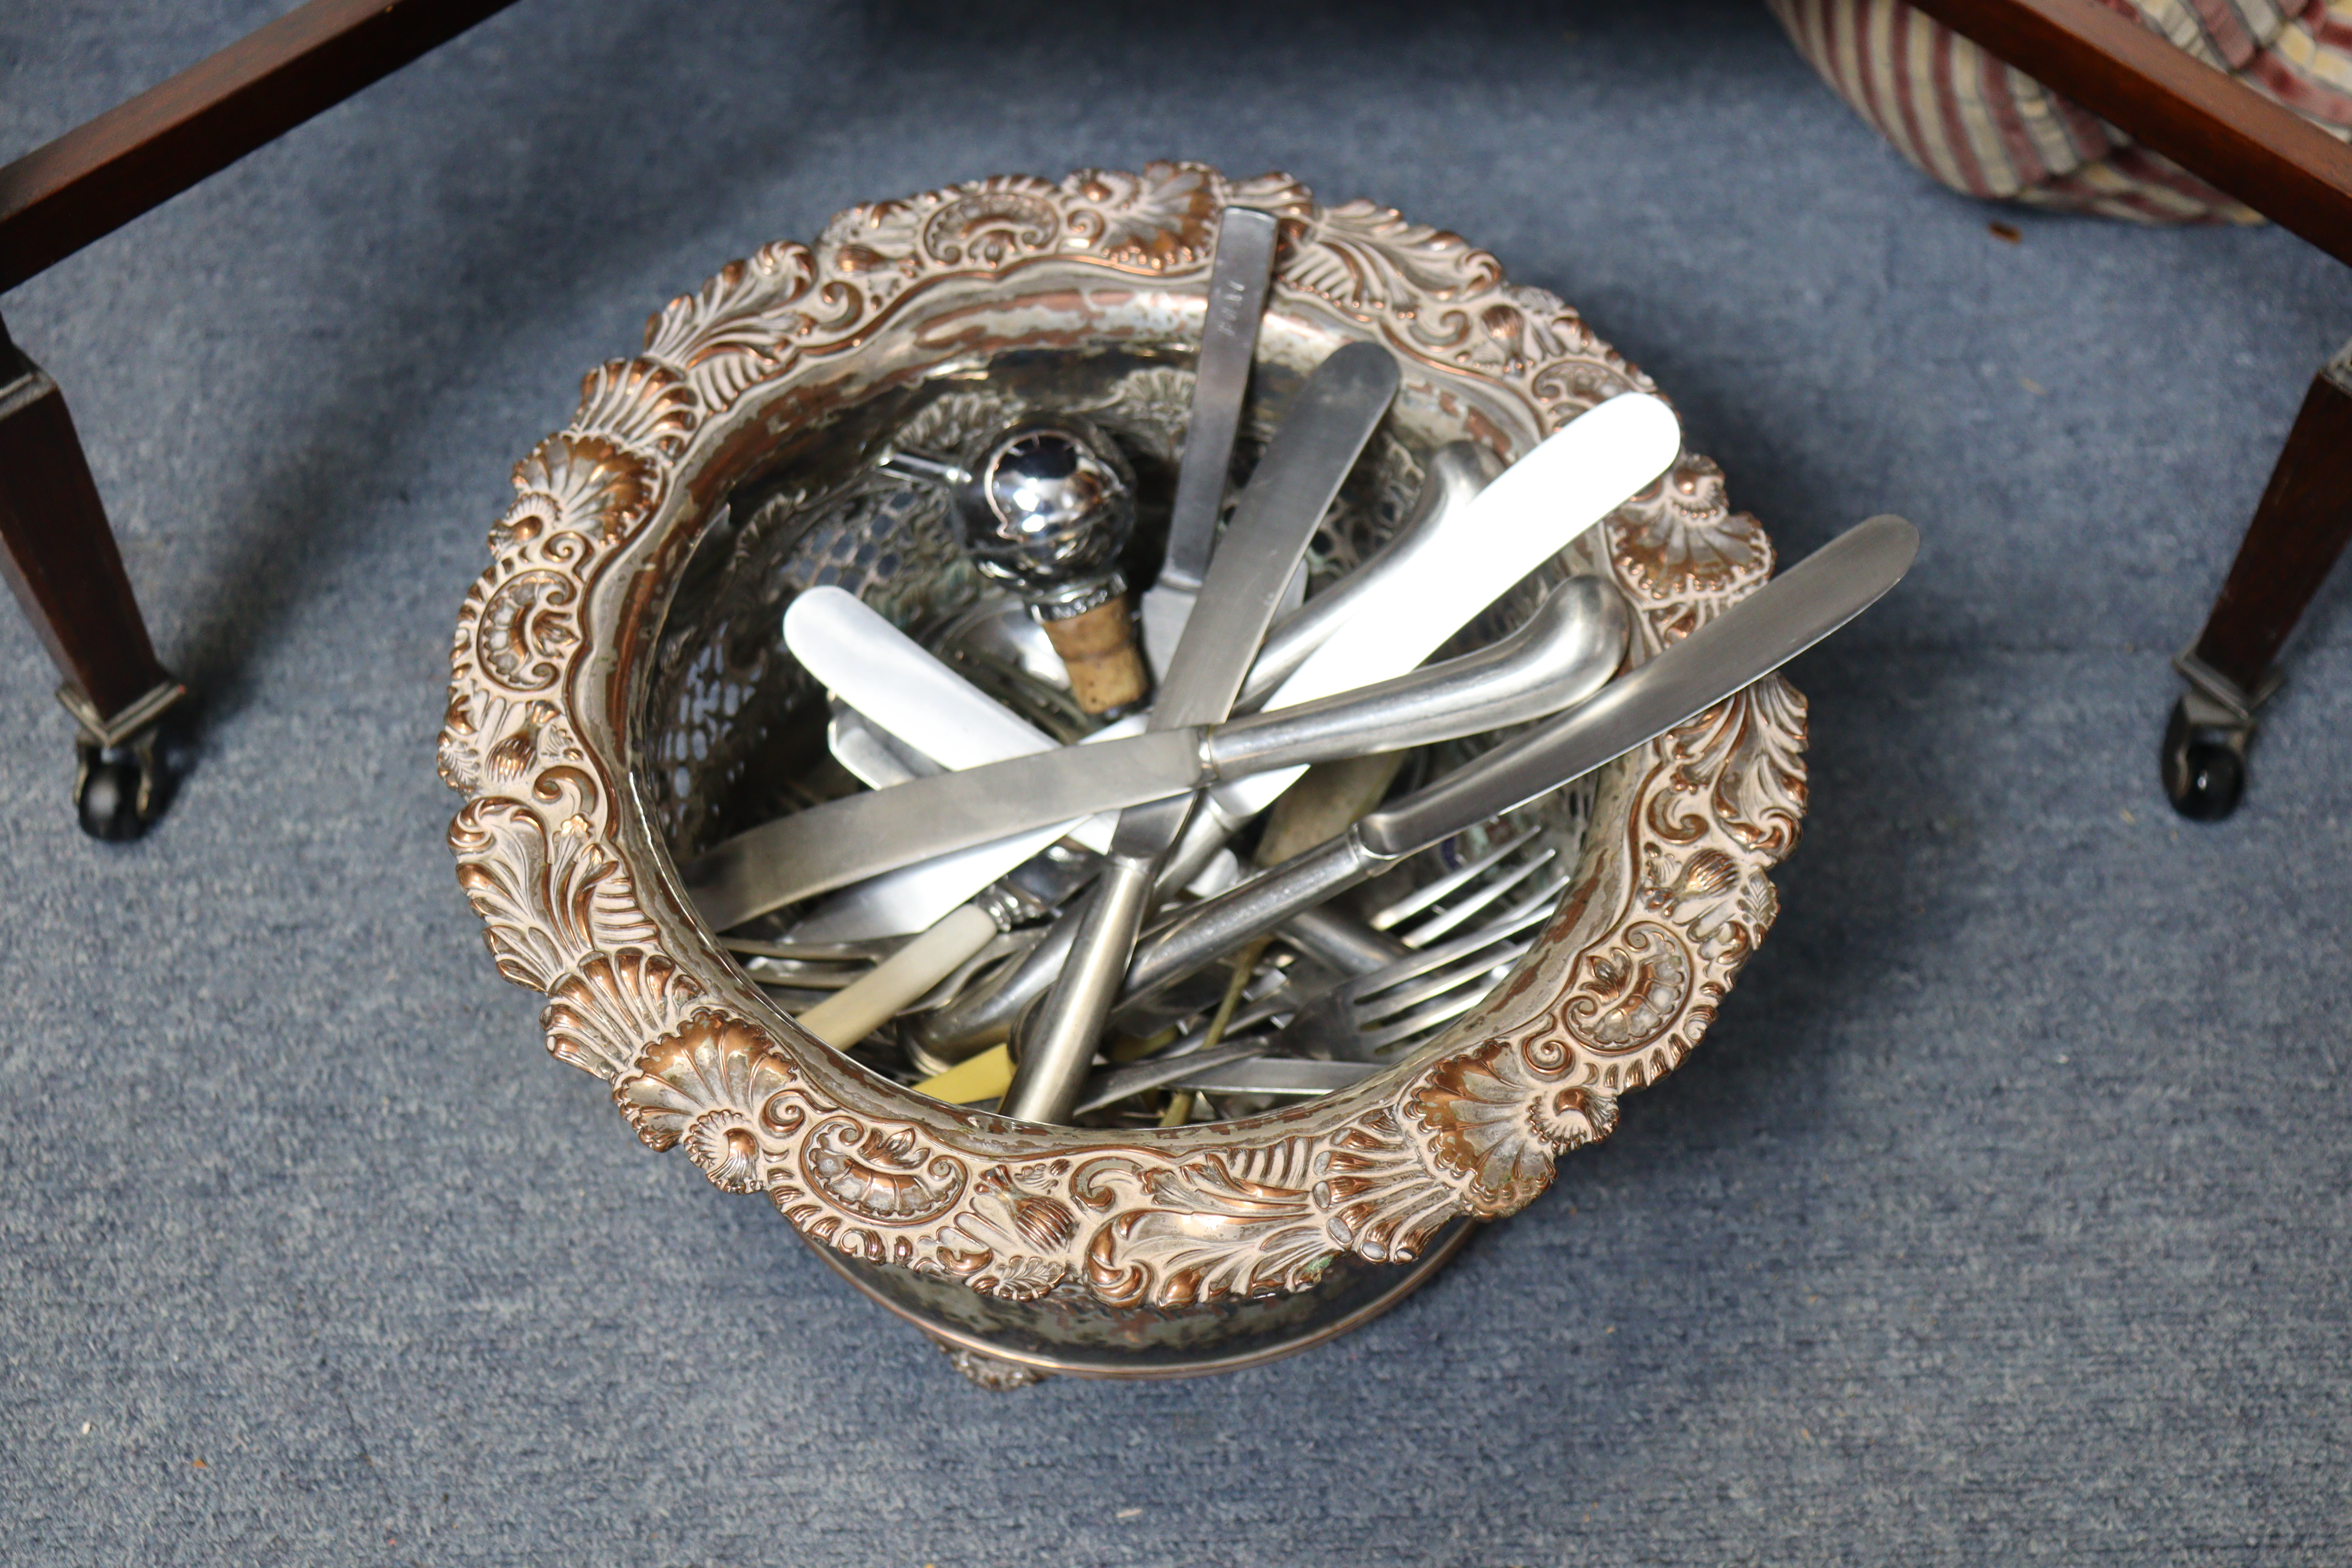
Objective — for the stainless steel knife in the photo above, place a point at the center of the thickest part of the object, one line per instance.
(1239, 279)
(1399, 616)
(1563, 654)
(1737, 648)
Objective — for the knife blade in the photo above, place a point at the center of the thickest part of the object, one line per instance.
(928, 706)
(1563, 654)
(913, 897)
(1721, 658)
(1239, 279)
(898, 687)
(859, 835)
(1297, 480)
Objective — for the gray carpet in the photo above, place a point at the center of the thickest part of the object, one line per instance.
(2003, 1217)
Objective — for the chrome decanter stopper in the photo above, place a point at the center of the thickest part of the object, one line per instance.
(1044, 507)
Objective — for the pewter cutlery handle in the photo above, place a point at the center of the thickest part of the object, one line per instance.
(1157, 1072)
(1573, 478)
(1054, 1054)
(1214, 927)
(1560, 655)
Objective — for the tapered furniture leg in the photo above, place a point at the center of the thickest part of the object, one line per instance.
(61, 561)
(2299, 530)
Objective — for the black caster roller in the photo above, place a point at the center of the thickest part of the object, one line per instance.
(119, 791)
(2204, 763)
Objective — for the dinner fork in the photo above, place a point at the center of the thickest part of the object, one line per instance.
(1353, 1022)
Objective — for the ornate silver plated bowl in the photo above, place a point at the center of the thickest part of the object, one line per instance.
(621, 698)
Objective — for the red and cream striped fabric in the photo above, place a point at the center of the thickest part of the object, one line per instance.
(1981, 127)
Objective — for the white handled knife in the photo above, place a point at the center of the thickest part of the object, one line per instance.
(900, 687)
(913, 687)
(1575, 476)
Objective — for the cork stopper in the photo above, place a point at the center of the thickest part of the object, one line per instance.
(1098, 647)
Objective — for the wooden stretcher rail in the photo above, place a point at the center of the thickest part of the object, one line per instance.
(98, 176)
(2216, 127)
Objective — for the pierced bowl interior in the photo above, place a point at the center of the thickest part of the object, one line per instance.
(733, 728)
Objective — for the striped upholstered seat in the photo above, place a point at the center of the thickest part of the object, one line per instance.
(1982, 127)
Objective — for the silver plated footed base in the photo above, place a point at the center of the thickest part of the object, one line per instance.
(1070, 1333)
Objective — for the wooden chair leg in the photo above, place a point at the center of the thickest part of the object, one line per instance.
(61, 560)
(2299, 530)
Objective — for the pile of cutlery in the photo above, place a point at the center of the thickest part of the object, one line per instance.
(1066, 931)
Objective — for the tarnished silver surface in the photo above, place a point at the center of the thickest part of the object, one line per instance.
(620, 699)
(1075, 1336)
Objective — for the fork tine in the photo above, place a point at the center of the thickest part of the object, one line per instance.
(1436, 983)
(1437, 925)
(1395, 1000)
(1528, 911)
(1442, 1012)
(1441, 983)
(1420, 898)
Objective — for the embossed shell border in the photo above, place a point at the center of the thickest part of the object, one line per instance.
(579, 901)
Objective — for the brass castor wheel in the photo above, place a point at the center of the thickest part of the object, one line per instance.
(120, 790)
(125, 762)
(2204, 760)
(2203, 763)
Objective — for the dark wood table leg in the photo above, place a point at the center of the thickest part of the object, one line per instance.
(2299, 530)
(62, 563)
